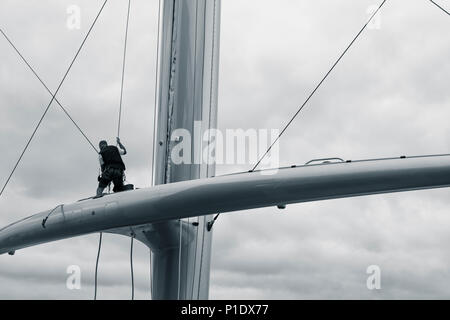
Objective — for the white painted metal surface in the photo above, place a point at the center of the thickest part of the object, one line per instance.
(187, 100)
(133, 210)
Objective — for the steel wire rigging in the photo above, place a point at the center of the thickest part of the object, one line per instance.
(71, 118)
(319, 84)
(46, 87)
(123, 68)
(53, 97)
(118, 135)
(440, 7)
(326, 76)
(211, 223)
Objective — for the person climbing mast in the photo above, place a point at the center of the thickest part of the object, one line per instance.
(112, 166)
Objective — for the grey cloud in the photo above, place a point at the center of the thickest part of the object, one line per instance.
(388, 97)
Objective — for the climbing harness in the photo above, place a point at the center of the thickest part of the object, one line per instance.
(118, 136)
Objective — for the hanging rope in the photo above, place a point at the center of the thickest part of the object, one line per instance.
(131, 266)
(96, 264)
(123, 68)
(118, 128)
(195, 257)
(179, 259)
(151, 282)
(154, 130)
(320, 83)
(201, 259)
(53, 98)
(118, 135)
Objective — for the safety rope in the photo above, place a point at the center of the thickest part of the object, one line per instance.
(320, 83)
(197, 224)
(118, 135)
(123, 68)
(440, 7)
(152, 182)
(118, 128)
(179, 259)
(201, 259)
(151, 281)
(131, 266)
(96, 264)
(53, 97)
(186, 261)
(211, 223)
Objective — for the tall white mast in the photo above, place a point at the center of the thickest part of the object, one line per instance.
(186, 94)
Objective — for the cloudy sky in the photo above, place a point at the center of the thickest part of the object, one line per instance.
(389, 96)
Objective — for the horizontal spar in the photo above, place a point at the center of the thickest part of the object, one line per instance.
(228, 193)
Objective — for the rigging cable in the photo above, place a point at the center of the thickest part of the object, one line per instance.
(440, 7)
(131, 266)
(152, 182)
(118, 129)
(53, 97)
(211, 223)
(179, 258)
(320, 83)
(123, 68)
(151, 282)
(156, 93)
(46, 88)
(96, 264)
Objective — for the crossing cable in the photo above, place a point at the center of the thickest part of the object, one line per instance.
(53, 97)
(96, 264)
(440, 7)
(320, 83)
(123, 68)
(46, 88)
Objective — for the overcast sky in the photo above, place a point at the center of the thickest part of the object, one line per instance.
(388, 97)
